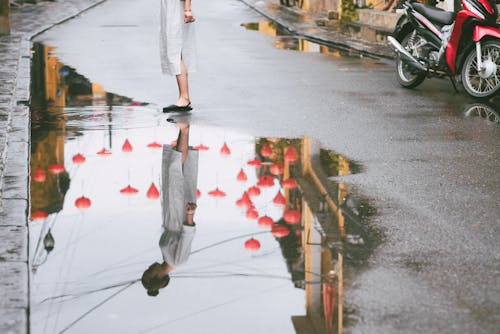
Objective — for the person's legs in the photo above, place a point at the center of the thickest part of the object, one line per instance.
(183, 140)
(182, 83)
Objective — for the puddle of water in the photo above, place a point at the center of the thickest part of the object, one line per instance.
(285, 41)
(487, 111)
(275, 236)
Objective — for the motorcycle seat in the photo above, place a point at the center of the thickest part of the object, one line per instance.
(434, 14)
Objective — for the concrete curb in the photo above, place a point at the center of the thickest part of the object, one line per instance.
(14, 180)
(342, 42)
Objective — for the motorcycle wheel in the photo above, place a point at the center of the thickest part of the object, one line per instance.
(408, 76)
(486, 84)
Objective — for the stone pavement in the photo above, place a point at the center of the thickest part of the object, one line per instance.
(15, 53)
(303, 24)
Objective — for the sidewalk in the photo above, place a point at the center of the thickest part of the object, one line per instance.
(15, 53)
(304, 24)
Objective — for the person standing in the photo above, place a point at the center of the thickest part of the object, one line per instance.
(178, 48)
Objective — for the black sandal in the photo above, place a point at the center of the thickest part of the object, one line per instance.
(176, 108)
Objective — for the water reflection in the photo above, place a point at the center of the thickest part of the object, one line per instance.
(179, 181)
(488, 111)
(284, 40)
(275, 235)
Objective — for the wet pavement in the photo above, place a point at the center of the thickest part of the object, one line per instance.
(274, 236)
(423, 157)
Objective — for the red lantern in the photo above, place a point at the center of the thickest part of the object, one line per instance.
(128, 190)
(83, 203)
(56, 169)
(265, 181)
(78, 159)
(279, 199)
(280, 231)
(39, 175)
(198, 193)
(242, 177)
(265, 221)
(276, 169)
(253, 191)
(252, 214)
(225, 151)
(39, 215)
(266, 150)
(244, 201)
(252, 245)
(152, 192)
(201, 147)
(155, 145)
(291, 154)
(291, 216)
(104, 152)
(255, 163)
(217, 193)
(127, 147)
(289, 183)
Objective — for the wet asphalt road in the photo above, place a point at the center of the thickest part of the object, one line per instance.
(430, 170)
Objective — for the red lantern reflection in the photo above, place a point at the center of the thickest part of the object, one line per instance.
(253, 191)
(152, 192)
(39, 175)
(56, 169)
(252, 214)
(201, 147)
(244, 201)
(217, 193)
(83, 203)
(78, 159)
(265, 181)
(266, 150)
(280, 231)
(277, 169)
(242, 176)
(291, 154)
(265, 221)
(252, 245)
(39, 215)
(279, 199)
(104, 152)
(289, 183)
(129, 190)
(127, 147)
(225, 151)
(255, 163)
(155, 145)
(291, 216)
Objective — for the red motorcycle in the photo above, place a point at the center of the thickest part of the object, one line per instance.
(465, 46)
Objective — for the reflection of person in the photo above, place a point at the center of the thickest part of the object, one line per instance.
(179, 178)
(177, 48)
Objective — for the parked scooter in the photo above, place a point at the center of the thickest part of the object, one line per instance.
(465, 46)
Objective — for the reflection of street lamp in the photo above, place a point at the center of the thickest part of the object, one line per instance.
(48, 242)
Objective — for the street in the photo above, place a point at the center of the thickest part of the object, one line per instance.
(427, 165)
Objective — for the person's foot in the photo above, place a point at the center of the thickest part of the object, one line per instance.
(182, 105)
(191, 208)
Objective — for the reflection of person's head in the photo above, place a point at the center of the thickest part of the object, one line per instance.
(154, 279)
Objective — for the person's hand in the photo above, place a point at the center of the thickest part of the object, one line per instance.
(188, 16)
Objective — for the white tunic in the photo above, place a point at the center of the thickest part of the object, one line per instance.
(177, 39)
(178, 189)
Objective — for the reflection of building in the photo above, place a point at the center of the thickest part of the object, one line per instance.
(328, 235)
(55, 86)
